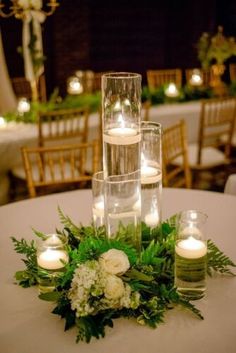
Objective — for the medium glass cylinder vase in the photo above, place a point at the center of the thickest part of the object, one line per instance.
(121, 112)
(151, 173)
(123, 208)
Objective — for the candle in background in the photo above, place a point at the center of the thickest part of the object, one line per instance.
(196, 78)
(23, 106)
(74, 86)
(191, 255)
(172, 91)
(52, 257)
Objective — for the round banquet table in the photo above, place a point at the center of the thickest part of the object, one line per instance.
(26, 322)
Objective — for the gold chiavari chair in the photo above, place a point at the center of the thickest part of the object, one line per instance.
(55, 127)
(157, 78)
(217, 120)
(57, 168)
(174, 145)
(62, 125)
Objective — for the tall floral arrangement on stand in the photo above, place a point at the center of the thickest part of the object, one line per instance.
(213, 51)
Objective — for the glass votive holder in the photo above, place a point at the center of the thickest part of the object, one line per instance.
(98, 199)
(191, 255)
(52, 257)
(151, 173)
(121, 118)
(123, 208)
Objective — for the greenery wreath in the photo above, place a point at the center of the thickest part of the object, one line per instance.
(107, 279)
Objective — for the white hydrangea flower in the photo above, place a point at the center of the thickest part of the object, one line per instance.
(93, 289)
(114, 262)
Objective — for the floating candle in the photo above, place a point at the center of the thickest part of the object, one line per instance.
(122, 136)
(191, 248)
(98, 208)
(50, 259)
(151, 219)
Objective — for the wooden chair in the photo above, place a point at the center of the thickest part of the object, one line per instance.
(63, 125)
(206, 76)
(174, 145)
(232, 71)
(217, 119)
(58, 167)
(157, 78)
(21, 87)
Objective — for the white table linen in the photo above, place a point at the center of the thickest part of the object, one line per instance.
(27, 326)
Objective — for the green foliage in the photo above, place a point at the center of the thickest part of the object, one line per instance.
(151, 274)
(217, 261)
(28, 277)
(90, 101)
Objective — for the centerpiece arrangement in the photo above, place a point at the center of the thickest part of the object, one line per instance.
(130, 265)
(106, 279)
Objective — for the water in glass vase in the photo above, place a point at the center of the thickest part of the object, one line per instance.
(121, 153)
(47, 284)
(129, 224)
(151, 190)
(190, 271)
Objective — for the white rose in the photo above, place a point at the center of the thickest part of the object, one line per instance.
(114, 261)
(114, 287)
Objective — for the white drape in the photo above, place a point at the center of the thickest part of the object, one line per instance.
(37, 18)
(7, 97)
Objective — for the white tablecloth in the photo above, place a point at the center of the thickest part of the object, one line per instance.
(27, 326)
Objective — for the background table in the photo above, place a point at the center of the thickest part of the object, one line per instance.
(14, 136)
(27, 326)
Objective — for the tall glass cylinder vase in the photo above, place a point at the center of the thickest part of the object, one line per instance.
(151, 173)
(121, 111)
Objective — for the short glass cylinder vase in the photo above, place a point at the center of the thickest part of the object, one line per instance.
(191, 255)
(121, 119)
(52, 257)
(98, 199)
(123, 208)
(151, 173)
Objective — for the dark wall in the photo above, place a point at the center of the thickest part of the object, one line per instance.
(124, 35)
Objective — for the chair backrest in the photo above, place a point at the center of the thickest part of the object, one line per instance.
(62, 125)
(157, 78)
(174, 145)
(206, 75)
(217, 120)
(47, 167)
(232, 71)
(21, 87)
(145, 110)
